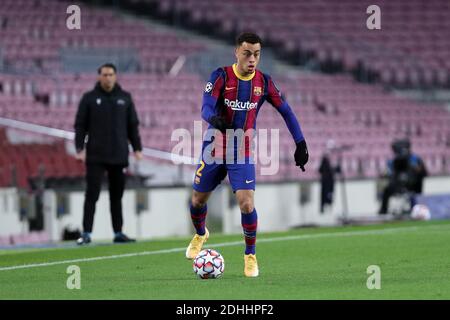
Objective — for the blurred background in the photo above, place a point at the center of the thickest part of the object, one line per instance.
(367, 100)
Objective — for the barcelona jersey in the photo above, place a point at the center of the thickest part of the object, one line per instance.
(237, 99)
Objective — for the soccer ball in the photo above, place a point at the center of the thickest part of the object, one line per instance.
(209, 264)
(420, 212)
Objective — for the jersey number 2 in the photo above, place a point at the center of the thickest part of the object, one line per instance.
(199, 170)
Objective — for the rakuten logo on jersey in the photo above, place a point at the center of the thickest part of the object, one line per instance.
(239, 105)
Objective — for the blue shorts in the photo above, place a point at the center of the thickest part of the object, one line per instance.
(209, 176)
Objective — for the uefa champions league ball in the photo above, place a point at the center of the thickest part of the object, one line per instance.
(209, 264)
(420, 212)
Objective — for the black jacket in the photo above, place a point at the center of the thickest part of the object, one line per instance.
(109, 119)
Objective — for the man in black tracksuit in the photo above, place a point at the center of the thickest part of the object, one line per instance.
(107, 116)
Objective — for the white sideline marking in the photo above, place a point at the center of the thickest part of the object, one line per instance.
(226, 244)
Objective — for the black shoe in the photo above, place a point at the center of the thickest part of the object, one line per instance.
(84, 239)
(122, 238)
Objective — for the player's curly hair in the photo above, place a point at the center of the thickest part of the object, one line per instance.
(249, 37)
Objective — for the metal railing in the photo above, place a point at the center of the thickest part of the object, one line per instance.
(70, 135)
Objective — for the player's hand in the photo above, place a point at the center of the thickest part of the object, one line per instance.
(138, 155)
(219, 123)
(81, 156)
(301, 155)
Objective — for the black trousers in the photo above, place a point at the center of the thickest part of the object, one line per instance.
(388, 192)
(326, 194)
(116, 181)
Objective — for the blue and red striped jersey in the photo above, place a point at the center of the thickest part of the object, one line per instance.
(238, 99)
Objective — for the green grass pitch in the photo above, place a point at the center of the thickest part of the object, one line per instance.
(316, 263)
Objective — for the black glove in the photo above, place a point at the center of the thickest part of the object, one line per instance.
(301, 155)
(219, 123)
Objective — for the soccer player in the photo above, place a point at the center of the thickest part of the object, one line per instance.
(231, 101)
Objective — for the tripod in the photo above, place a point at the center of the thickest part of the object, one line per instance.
(344, 216)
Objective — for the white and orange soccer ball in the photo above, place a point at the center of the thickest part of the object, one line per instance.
(420, 212)
(209, 264)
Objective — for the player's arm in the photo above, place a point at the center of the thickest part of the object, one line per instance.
(213, 90)
(301, 154)
(81, 126)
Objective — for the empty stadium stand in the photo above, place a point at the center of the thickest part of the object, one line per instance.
(412, 48)
(21, 163)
